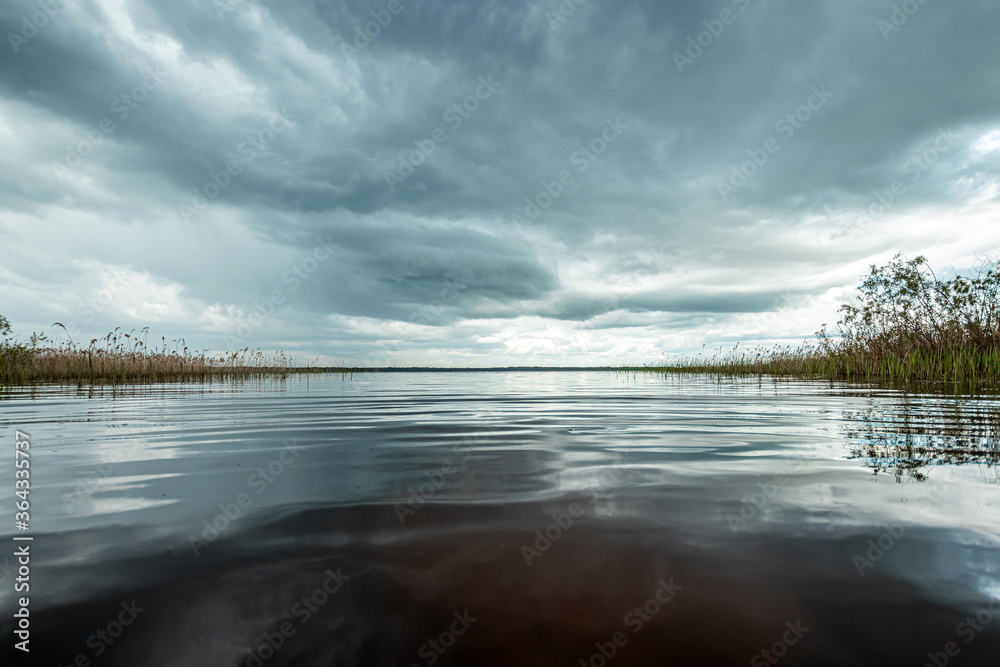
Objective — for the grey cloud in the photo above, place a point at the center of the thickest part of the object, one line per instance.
(357, 114)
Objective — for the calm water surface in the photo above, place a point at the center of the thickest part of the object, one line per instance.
(507, 518)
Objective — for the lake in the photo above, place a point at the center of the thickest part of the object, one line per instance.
(506, 518)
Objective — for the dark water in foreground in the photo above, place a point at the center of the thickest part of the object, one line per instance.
(506, 519)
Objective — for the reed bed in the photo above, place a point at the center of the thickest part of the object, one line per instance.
(907, 327)
(125, 358)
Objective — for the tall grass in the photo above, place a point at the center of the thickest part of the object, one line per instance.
(125, 358)
(906, 327)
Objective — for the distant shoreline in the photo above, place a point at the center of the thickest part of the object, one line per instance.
(905, 328)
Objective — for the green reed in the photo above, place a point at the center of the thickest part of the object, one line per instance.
(125, 358)
(907, 327)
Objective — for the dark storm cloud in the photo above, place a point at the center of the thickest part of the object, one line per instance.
(502, 145)
(390, 270)
(584, 309)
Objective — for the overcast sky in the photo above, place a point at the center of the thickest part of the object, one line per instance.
(485, 183)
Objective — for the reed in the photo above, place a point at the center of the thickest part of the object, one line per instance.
(125, 358)
(907, 327)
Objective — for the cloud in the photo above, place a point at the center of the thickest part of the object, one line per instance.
(498, 182)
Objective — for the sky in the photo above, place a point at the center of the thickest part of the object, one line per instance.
(536, 182)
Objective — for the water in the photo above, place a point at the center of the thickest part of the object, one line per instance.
(507, 518)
